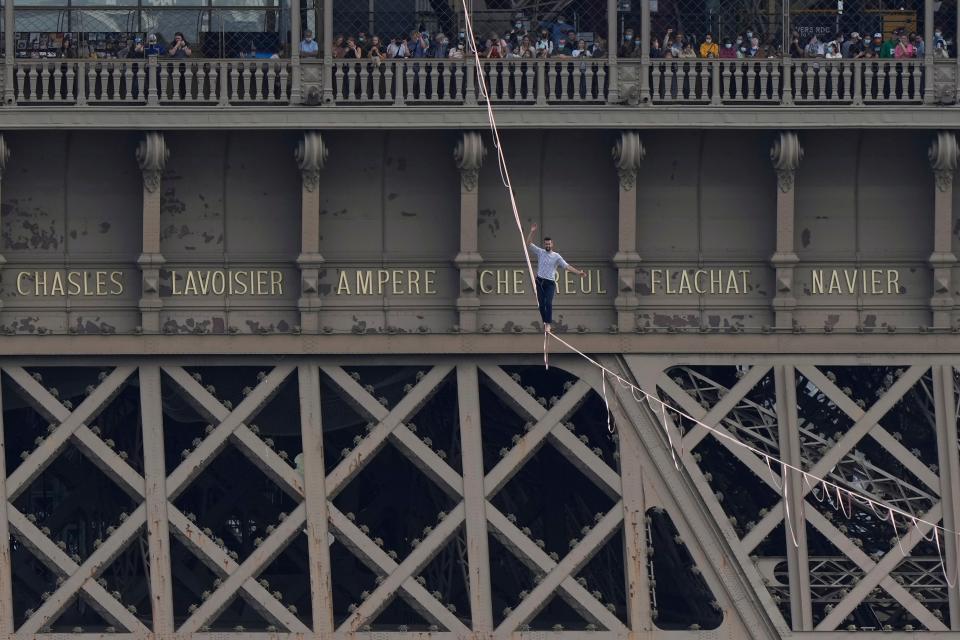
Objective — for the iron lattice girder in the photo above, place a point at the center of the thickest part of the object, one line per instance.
(876, 573)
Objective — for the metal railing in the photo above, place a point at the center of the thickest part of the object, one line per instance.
(427, 81)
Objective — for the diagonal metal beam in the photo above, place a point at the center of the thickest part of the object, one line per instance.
(537, 561)
(315, 498)
(268, 461)
(60, 564)
(578, 557)
(53, 410)
(109, 462)
(427, 461)
(377, 560)
(256, 562)
(512, 394)
(584, 459)
(530, 442)
(412, 565)
(98, 561)
(717, 412)
(222, 565)
(6, 560)
(352, 465)
(865, 563)
(200, 457)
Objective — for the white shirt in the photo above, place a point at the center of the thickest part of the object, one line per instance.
(548, 262)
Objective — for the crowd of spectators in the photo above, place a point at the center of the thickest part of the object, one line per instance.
(554, 39)
(749, 44)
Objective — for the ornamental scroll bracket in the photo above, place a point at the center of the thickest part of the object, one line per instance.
(943, 155)
(628, 153)
(152, 155)
(311, 155)
(469, 154)
(4, 155)
(786, 154)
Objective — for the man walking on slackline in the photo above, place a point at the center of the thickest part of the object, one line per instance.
(547, 263)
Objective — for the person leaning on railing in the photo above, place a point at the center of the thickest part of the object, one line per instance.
(308, 46)
(904, 48)
(709, 48)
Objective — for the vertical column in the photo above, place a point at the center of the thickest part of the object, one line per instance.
(613, 41)
(327, 44)
(798, 565)
(634, 526)
(4, 158)
(9, 51)
(311, 155)
(929, 86)
(943, 156)
(786, 155)
(152, 155)
(478, 555)
(295, 34)
(155, 493)
(314, 486)
(945, 407)
(6, 576)
(628, 153)
(468, 154)
(644, 53)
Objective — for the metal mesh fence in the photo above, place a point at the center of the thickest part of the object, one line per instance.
(820, 27)
(139, 30)
(436, 28)
(716, 28)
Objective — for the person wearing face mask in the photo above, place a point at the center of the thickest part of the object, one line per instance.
(814, 48)
(308, 46)
(727, 52)
(544, 45)
(398, 48)
(441, 46)
(626, 49)
(656, 52)
(740, 47)
(754, 49)
(581, 51)
(709, 48)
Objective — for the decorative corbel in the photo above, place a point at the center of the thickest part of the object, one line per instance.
(785, 155)
(943, 155)
(628, 154)
(468, 154)
(311, 156)
(152, 154)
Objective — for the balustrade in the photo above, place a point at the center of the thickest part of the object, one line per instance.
(430, 81)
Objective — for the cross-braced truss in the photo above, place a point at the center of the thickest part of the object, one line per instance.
(748, 560)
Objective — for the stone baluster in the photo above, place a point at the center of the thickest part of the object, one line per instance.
(785, 155)
(943, 160)
(628, 153)
(152, 155)
(311, 155)
(469, 154)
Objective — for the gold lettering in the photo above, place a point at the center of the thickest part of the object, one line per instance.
(20, 278)
(364, 283)
(654, 280)
(190, 286)
(834, 282)
(413, 281)
(101, 279)
(817, 284)
(568, 284)
(343, 285)
(685, 282)
(589, 287)
(242, 287)
(744, 273)
(696, 280)
(666, 279)
(87, 291)
(893, 281)
(484, 287)
(600, 289)
(276, 283)
(716, 281)
(430, 284)
(396, 282)
(218, 289)
(383, 276)
(203, 278)
(732, 283)
(116, 277)
(173, 283)
(40, 283)
(504, 281)
(56, 287)
(518, 280)
(262, 283)
(875, 287)
(851, 283)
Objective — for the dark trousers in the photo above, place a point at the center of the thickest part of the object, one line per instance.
(545, 291)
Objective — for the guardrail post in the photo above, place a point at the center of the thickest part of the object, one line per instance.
(153, 79)
(541, 83)
(715, 80)
(295, 98)
(787, 81)
(81, 83)
(224, 80)
(645, 53)
(613, 38)
(929, 93)
(327, 96)
(858, 83)
(470, 97)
